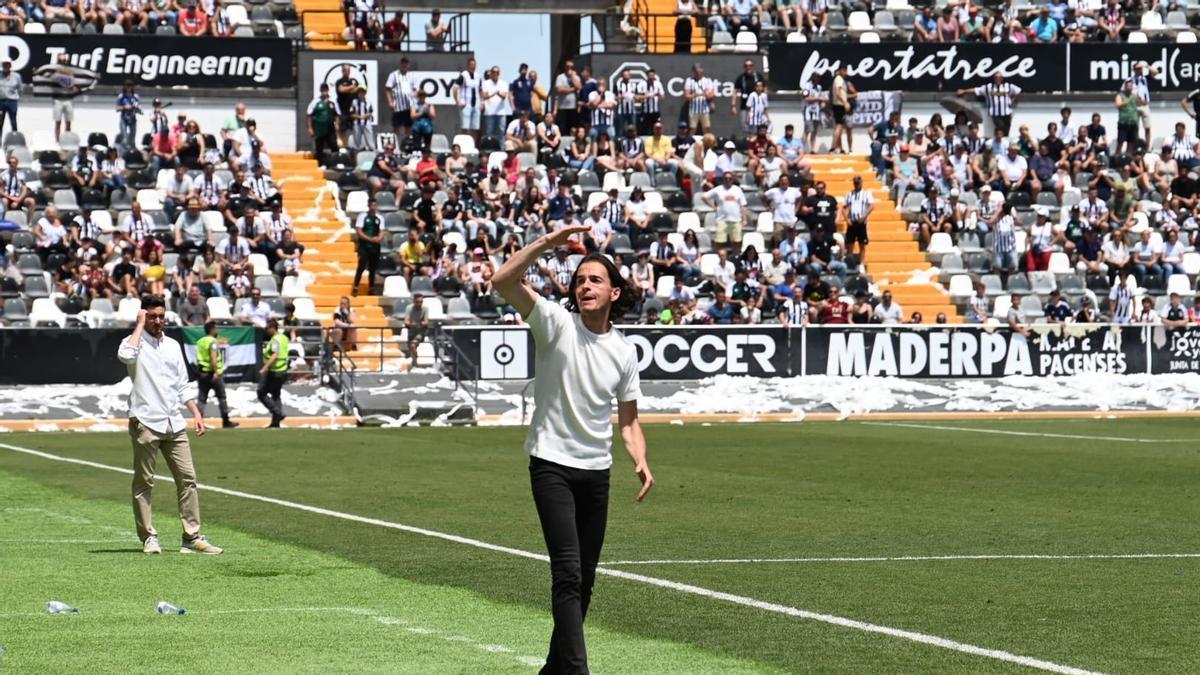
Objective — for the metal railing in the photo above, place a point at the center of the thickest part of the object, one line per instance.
(448, 353)
(337, 372)
(657, 32)
(458, 35)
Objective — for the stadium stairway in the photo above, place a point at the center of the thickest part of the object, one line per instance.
(894, 258)
(324, 24)
(658, 25)
(330, 258)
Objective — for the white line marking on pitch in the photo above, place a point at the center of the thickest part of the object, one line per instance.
(907, 558)
(1009, 432)
(54, 542)
(745, 601)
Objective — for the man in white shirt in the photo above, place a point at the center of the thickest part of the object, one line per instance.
(1014, 170)
(601, 234)
(255, 311)
(730, 204)
(495, 95)
(888, 311)
(783, 199)
(160, 385)
(582, 363)
(727, 162)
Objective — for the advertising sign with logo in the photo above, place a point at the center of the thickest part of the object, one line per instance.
(1103, 67)
(673, 70)
(158, 60)
(971, 352)
(433, 72)
(919, 66)
(1174, 350)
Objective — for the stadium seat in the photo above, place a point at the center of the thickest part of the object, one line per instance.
(1042, 283)
(35, 28)
(688, 220)
(260, 263)
(952, 264)
(69, 141)
(1060, 263)
(765, 224)
(992, 285)
(101, 314)
(29, 263)
(940, 243)
(746, 42)
(294, 287)
(1137, 37)
(796, 37)
(15, 312)
(961, 286)
(708, 264)
(754, 239)
(1185, 37)
(870, 37)
(885, 23)
(113, 29)
(422, 285)
(459, 309)
(265, 283)
(127, 310)
(721, 42)
(1181, 284)
(395, 287)
(306, 311)
(64, 200)
(46, 313)
(664, 285)
(150, 200)
(1191, 263)
(455, 238)
(356, 202)
(14, 139)
(36, 286)
(218, 309)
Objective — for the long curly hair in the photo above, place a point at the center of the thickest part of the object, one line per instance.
(626, 300)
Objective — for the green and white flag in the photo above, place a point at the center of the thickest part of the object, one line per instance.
(238, 347)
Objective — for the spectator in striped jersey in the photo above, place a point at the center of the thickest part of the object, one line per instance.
(362, 112)
(601, 105)
(699, 92)
(632, 156)
(626, 92)
(979, 307)
(1004, 246)
(1120, 299)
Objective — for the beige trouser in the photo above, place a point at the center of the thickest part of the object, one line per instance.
(175, 449)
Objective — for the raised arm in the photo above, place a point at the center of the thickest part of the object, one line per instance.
(510, 275)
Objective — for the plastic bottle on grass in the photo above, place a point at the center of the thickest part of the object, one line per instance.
(56, 607)
(164, 607)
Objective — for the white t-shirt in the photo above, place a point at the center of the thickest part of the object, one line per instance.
(577, 375)
(783, 204)
(493, 103)
(729, 200)
(892, 314)
(1012, 168)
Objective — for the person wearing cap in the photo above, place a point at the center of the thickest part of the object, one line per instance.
(730, 204)
(1039, 244)
(975, 28)
(1057, 310)
(727, 162)
(476, 275)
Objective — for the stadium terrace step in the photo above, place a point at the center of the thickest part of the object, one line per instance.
(894, 256)
(658, 27)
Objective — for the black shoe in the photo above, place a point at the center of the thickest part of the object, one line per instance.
(274, 422)
(229, 424)
(281, 418)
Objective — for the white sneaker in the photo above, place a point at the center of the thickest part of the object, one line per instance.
(200, 545)
(151, 546)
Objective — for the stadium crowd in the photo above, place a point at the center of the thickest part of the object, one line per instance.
(693, 217)
(189, 18)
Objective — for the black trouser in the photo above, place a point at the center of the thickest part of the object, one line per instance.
(1002, 122)
(368, 259)
(270, 390)
(322, 143)
(206, 383)
(572, 505)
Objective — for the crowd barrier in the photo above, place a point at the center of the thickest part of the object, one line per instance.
(933, 67)
(691, 353)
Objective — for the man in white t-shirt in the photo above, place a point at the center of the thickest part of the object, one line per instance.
(888, 311)
(730, 204)
(1014, 170)
(495, 98)
(581, 364)
(783, 199)
(600, 236)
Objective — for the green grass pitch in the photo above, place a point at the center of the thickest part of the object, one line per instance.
(299, 591)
